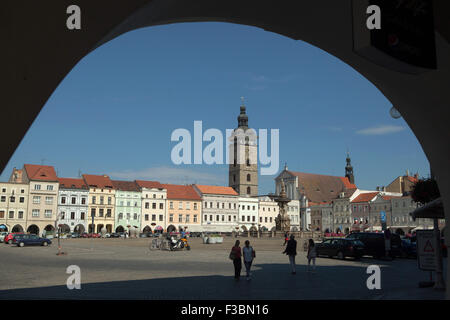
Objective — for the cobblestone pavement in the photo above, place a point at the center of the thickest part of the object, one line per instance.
(127, 269)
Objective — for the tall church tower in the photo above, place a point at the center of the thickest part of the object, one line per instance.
(243, 168)
(349, 170)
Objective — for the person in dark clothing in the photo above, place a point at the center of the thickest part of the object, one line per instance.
(286, 238)
(236, 253)
(291, 251)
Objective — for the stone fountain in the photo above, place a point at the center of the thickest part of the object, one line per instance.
(282, 221)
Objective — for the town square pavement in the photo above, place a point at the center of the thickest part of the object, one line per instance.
(127, 269)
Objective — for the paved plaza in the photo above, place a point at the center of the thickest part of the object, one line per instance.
(127, 269)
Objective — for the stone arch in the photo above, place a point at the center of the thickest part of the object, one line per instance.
(17, 228)
(147, 229)
(64, 228)
(33, 229)
(171, 228)
(4, 228)
(120, 229)
(79, 228)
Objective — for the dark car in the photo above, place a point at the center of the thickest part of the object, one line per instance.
(409, 248)
(114, 235)
(374, 243)
(31, 240)
(341, 248)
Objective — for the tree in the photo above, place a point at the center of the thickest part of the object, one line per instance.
(425, 190)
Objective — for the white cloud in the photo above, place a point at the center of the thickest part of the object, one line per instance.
(171, 175)
(380, 130)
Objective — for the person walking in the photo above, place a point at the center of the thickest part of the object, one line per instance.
(249, 255)
(235, 255)
(312, 254)
(291, 251)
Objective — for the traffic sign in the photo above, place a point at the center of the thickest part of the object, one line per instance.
(426, 250)
(383, 216)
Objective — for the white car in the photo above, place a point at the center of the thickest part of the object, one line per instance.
(3, 235)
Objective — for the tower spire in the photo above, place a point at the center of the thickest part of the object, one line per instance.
(349, 169)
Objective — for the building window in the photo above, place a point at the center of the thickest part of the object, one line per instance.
(153, 217)
(248, 190)
(74, 200)
(102, 199)
(36, 199)
(223, 218)
(146, 217)
(3, 190)
(120, 216)
(171, 205)
(180, 218)
(229, 218)
(100, 212)
(37, 187)
(82, 216)
(93, 212)
(72, 215)
(83, 200)
(49, 188)
(171, 218)
(35, 213)
(147, 205)
(248, 177)
(20, 214)
(22, 199)
(48, 200)
(180, 205)
(217, 217)
(63, 200)
(210, 217)
(48, 213)
(243, 218)
(205, 217)
(11, 215)
(135, 216)
(195, 218)
(195, 205)
(188, 206)
(93, 199)
(108, 213)
(154, 196)
(128, 216)
(154, 205)
(12, 199)
(161, 217)
(3, 199)
(187, 218)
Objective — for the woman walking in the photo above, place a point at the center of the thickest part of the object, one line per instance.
(312, 254)
(291, 251)
(249, 255)
(235, 255)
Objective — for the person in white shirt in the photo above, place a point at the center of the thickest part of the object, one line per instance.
(249, 255)
(312, 254)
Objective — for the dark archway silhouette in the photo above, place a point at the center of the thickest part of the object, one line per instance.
(33, 229)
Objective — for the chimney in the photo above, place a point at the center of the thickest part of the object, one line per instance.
(378, 188)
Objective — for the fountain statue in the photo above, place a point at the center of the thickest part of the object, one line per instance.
(282, 221)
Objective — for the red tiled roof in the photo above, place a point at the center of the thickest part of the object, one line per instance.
(321, 188)
(149, 184)
(98, 181)
(390, 197)
(181, 192)
(216, 190)
(412, 179)
(125, 185)
(347, 183)
(39, 172)
(365, 197)
(70, 183)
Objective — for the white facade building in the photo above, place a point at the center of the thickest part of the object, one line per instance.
(73, 195)
(248, 213)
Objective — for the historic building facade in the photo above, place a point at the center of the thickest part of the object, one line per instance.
(293, 211)
(127, 206)
(101, 203)
(268, 211)
(73, 197)
(401, 218)
(153, 206)
(402, 184)
(42, 198)
(13, 206)
(219, 208)
(184, 208)
(243, 162)
(248, 214)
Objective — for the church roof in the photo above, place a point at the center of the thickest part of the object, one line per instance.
(320, 188)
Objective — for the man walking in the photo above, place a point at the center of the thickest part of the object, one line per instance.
(291, 251)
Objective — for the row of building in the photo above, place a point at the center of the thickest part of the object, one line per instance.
(36, 200)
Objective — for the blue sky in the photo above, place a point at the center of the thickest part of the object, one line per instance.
(115, 111)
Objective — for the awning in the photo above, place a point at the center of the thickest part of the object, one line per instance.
(432, 210)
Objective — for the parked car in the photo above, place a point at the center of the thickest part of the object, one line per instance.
(341, 248)
(409, 248)
(3, 235)
(114, 235)
(75, 235)
(10, 236)
(30, 240)
(374, 244)
(84, 235)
